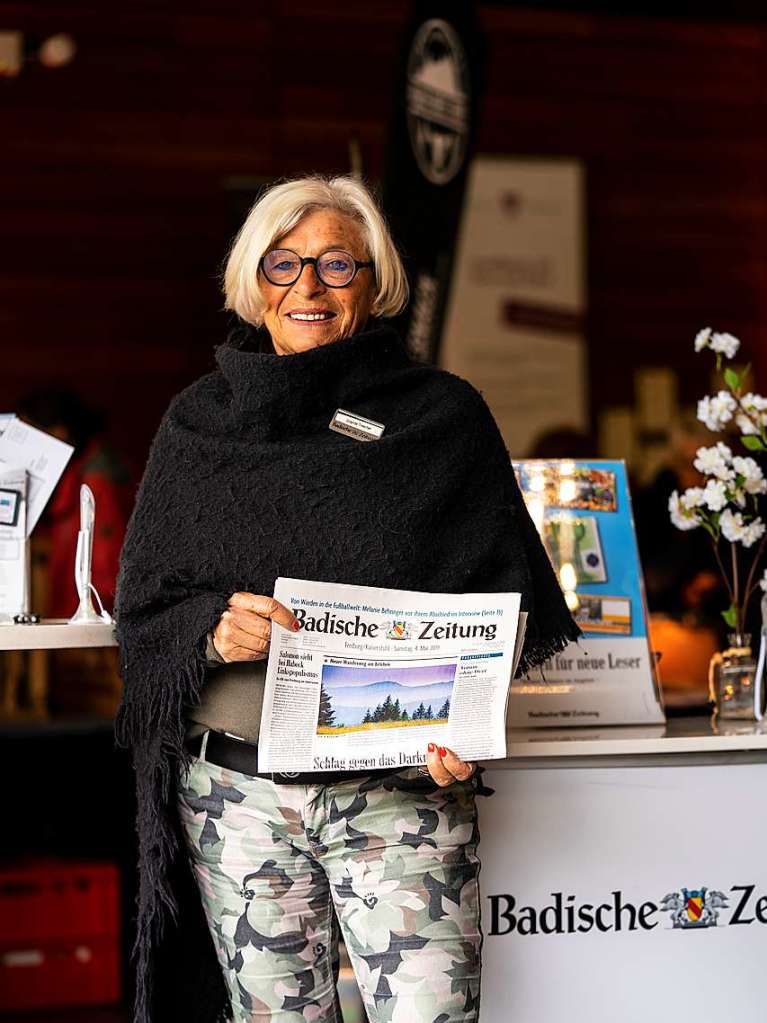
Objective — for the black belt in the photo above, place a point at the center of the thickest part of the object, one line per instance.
(240, 755)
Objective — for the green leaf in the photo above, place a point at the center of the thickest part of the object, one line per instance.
(753, 443)
(732, 379)
(730, 616)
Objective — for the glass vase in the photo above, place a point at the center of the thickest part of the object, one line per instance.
(732, 678)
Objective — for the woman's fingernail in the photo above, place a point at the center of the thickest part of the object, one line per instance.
(296, 626)
(432, 747)
(442, 751)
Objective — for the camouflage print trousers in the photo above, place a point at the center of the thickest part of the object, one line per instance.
(394, 856)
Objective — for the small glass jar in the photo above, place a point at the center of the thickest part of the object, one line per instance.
(733, 676)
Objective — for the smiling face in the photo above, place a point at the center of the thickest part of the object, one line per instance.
(337, 312)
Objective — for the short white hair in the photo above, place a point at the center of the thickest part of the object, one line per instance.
(278, 211)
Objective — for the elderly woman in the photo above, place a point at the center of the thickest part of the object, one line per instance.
(245, 878)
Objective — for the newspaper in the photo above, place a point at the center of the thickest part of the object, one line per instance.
(374, 675)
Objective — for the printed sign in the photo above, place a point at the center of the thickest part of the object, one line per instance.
(603, 879)
(583, 512)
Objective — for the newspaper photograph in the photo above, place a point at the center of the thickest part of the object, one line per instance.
(374, 675)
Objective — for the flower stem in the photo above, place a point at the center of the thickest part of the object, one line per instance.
(735, 588)
(750, 584)
(722, 569)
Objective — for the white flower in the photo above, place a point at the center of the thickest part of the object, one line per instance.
(745, 425)
(715, 462)
(681, 517)
(701, 339)
(731, 524)
(717, 411)
(715, 495)
(693, 497)
(753, 532)
(753, 477)
(756, 407)
(725, 344)
(738, 497)
(763, 581)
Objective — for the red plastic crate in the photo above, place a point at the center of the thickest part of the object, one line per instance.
(72, 972)
(59, 934)
(48, 899)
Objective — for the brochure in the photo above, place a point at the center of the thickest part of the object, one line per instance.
(582, 509)
(374, 675)
(13, 543)
(44, 457)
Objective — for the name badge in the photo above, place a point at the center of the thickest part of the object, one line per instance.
(356, 426)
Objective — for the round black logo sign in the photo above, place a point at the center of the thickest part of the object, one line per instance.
(438, 101)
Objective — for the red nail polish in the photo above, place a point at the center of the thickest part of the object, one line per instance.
(432, 747)
(296, 626)
(442, 751)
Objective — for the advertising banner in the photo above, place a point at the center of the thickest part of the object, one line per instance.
(624, 894)
(582, 509)
(435, 118)
(514, 325)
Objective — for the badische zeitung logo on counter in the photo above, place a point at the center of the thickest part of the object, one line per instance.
(438, 92)
(686, 910)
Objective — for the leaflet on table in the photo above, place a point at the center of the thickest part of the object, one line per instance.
(13, 543)
(44, 457)
(374, 675)
(582, 509)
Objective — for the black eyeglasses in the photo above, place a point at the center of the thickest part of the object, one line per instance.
(336, 268)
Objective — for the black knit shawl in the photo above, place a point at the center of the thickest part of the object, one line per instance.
(245, 482)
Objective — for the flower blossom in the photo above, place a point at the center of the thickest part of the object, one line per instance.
(753, 477)
(735, 529)
(717, 411)
(754, 414)
(731, 525)
(724, 344)
(715, 495)
(681, 517)
(763, 581)
(715, 461)
(701, 339)
(693, 497)
(753, 532)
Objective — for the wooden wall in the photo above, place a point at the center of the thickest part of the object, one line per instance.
(117, 175)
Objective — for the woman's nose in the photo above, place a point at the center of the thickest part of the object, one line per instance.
(309, 284)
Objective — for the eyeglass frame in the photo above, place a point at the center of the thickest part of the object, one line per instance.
(312, 260)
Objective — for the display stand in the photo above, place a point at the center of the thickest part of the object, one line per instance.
(55, 634)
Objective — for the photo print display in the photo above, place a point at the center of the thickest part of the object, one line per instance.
(575, 541)
(603, 614)
(360, 699)
(564, 484)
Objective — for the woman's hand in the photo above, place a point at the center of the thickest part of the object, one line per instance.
(245, 628)
(445, 767)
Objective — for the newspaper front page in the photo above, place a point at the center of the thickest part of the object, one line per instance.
(374, 675)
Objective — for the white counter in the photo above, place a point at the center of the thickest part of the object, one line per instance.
(624, 876)
(688, 736)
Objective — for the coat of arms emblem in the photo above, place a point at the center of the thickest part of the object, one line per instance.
(694, 907)
(398, 630)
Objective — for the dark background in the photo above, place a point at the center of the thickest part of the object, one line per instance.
(124, 175)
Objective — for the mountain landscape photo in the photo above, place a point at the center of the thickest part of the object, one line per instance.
(353, 697)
